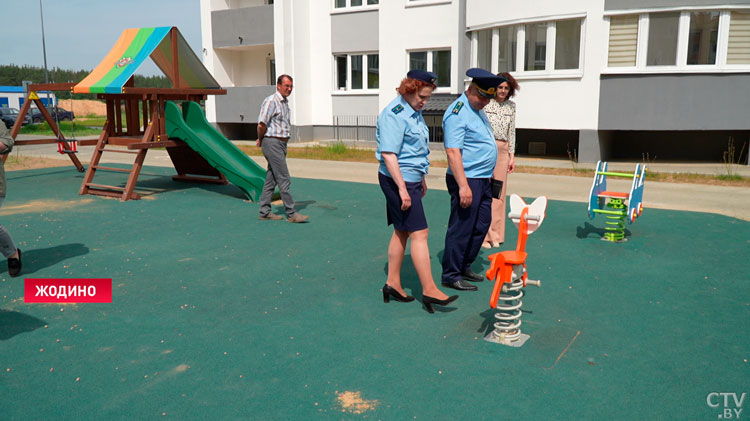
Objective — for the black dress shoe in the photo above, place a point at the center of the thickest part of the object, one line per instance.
(472, 276)
(389, 292)
(429, 301)
(461, 285)
(14, 265)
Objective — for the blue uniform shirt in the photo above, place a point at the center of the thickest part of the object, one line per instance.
(403, 131)
(469, 130)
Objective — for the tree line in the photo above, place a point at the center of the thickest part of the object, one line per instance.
(13, 75)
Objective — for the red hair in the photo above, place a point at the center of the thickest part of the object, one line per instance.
(512, 84)
(410, 86)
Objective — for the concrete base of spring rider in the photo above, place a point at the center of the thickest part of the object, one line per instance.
(503, 339)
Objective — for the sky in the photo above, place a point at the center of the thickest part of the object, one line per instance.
(79, 33)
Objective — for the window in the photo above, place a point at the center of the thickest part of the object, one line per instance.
(695, 40)
(418, 61)
(441, 66)
(484, 48)
(623, 41)
(338, 4)
(373, 76)
(341, 74)
(567, 44)
(662, 39)
(436, 61)
(536, 46)
(703, 37)
(738, 48)
(356, 72)
(506, 49)
(547, 47)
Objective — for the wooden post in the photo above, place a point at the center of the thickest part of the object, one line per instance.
(144, 101)
(110, 117)
(175, 62)
(118, 118)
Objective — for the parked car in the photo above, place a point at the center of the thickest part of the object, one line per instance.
(9, 116)
(62, 114)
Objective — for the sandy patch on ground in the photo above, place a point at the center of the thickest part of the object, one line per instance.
(20, 162)
(43, 206)
(354, 403)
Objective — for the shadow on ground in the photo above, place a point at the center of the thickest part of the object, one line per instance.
(13, 323)
(36, 259)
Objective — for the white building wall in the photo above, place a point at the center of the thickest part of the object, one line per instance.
(296, 54)
(208, 56)
(251, 66)
(302, 46)
(321, 65)
(14, 99)
(406, 27)
(550, 102)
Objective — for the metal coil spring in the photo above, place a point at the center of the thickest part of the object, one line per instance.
(508, 326)
(615, 223)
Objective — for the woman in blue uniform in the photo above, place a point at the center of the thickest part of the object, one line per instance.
(402, 150)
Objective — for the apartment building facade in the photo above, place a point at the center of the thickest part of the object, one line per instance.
(600, 79)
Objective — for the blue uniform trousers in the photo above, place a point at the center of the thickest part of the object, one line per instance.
(467, 227)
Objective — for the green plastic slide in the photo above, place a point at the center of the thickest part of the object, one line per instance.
(191, 126)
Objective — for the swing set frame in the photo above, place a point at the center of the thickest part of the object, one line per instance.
(31, 96)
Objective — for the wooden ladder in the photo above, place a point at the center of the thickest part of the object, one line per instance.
(104, 144)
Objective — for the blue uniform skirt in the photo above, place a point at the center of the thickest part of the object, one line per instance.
(410, 220)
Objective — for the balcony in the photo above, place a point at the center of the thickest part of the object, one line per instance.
(241, 104)
(244, 27)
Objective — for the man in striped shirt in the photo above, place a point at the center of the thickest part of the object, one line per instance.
(273, 135)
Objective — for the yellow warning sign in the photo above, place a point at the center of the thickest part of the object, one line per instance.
(33, 95)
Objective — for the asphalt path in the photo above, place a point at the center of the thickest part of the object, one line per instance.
(724, 200)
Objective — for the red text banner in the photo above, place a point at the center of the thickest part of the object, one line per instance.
(58, 290)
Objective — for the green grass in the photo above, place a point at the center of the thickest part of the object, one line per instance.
(726, 180)
(65, 128)
(335, 152)
(732, 177)
(92, 121)
(336, 149)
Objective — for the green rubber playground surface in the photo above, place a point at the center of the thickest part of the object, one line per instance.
(218, 315)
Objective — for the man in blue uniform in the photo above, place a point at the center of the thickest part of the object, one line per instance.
(472, 153)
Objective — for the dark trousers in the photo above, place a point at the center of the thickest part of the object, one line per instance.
(467, 227)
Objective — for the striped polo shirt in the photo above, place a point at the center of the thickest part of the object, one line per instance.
(274, 113)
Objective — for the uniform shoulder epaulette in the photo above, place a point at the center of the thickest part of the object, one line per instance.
(397, 109)
(458, 107)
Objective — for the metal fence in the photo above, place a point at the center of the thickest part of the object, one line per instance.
(355, 127)
(362, 127)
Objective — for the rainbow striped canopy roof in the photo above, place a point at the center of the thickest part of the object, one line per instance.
(133, 47)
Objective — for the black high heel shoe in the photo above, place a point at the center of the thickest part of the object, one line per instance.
(429, 301)
(390, 292)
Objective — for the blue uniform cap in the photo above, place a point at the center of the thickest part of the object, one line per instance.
(422, 75)
(486, 82)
